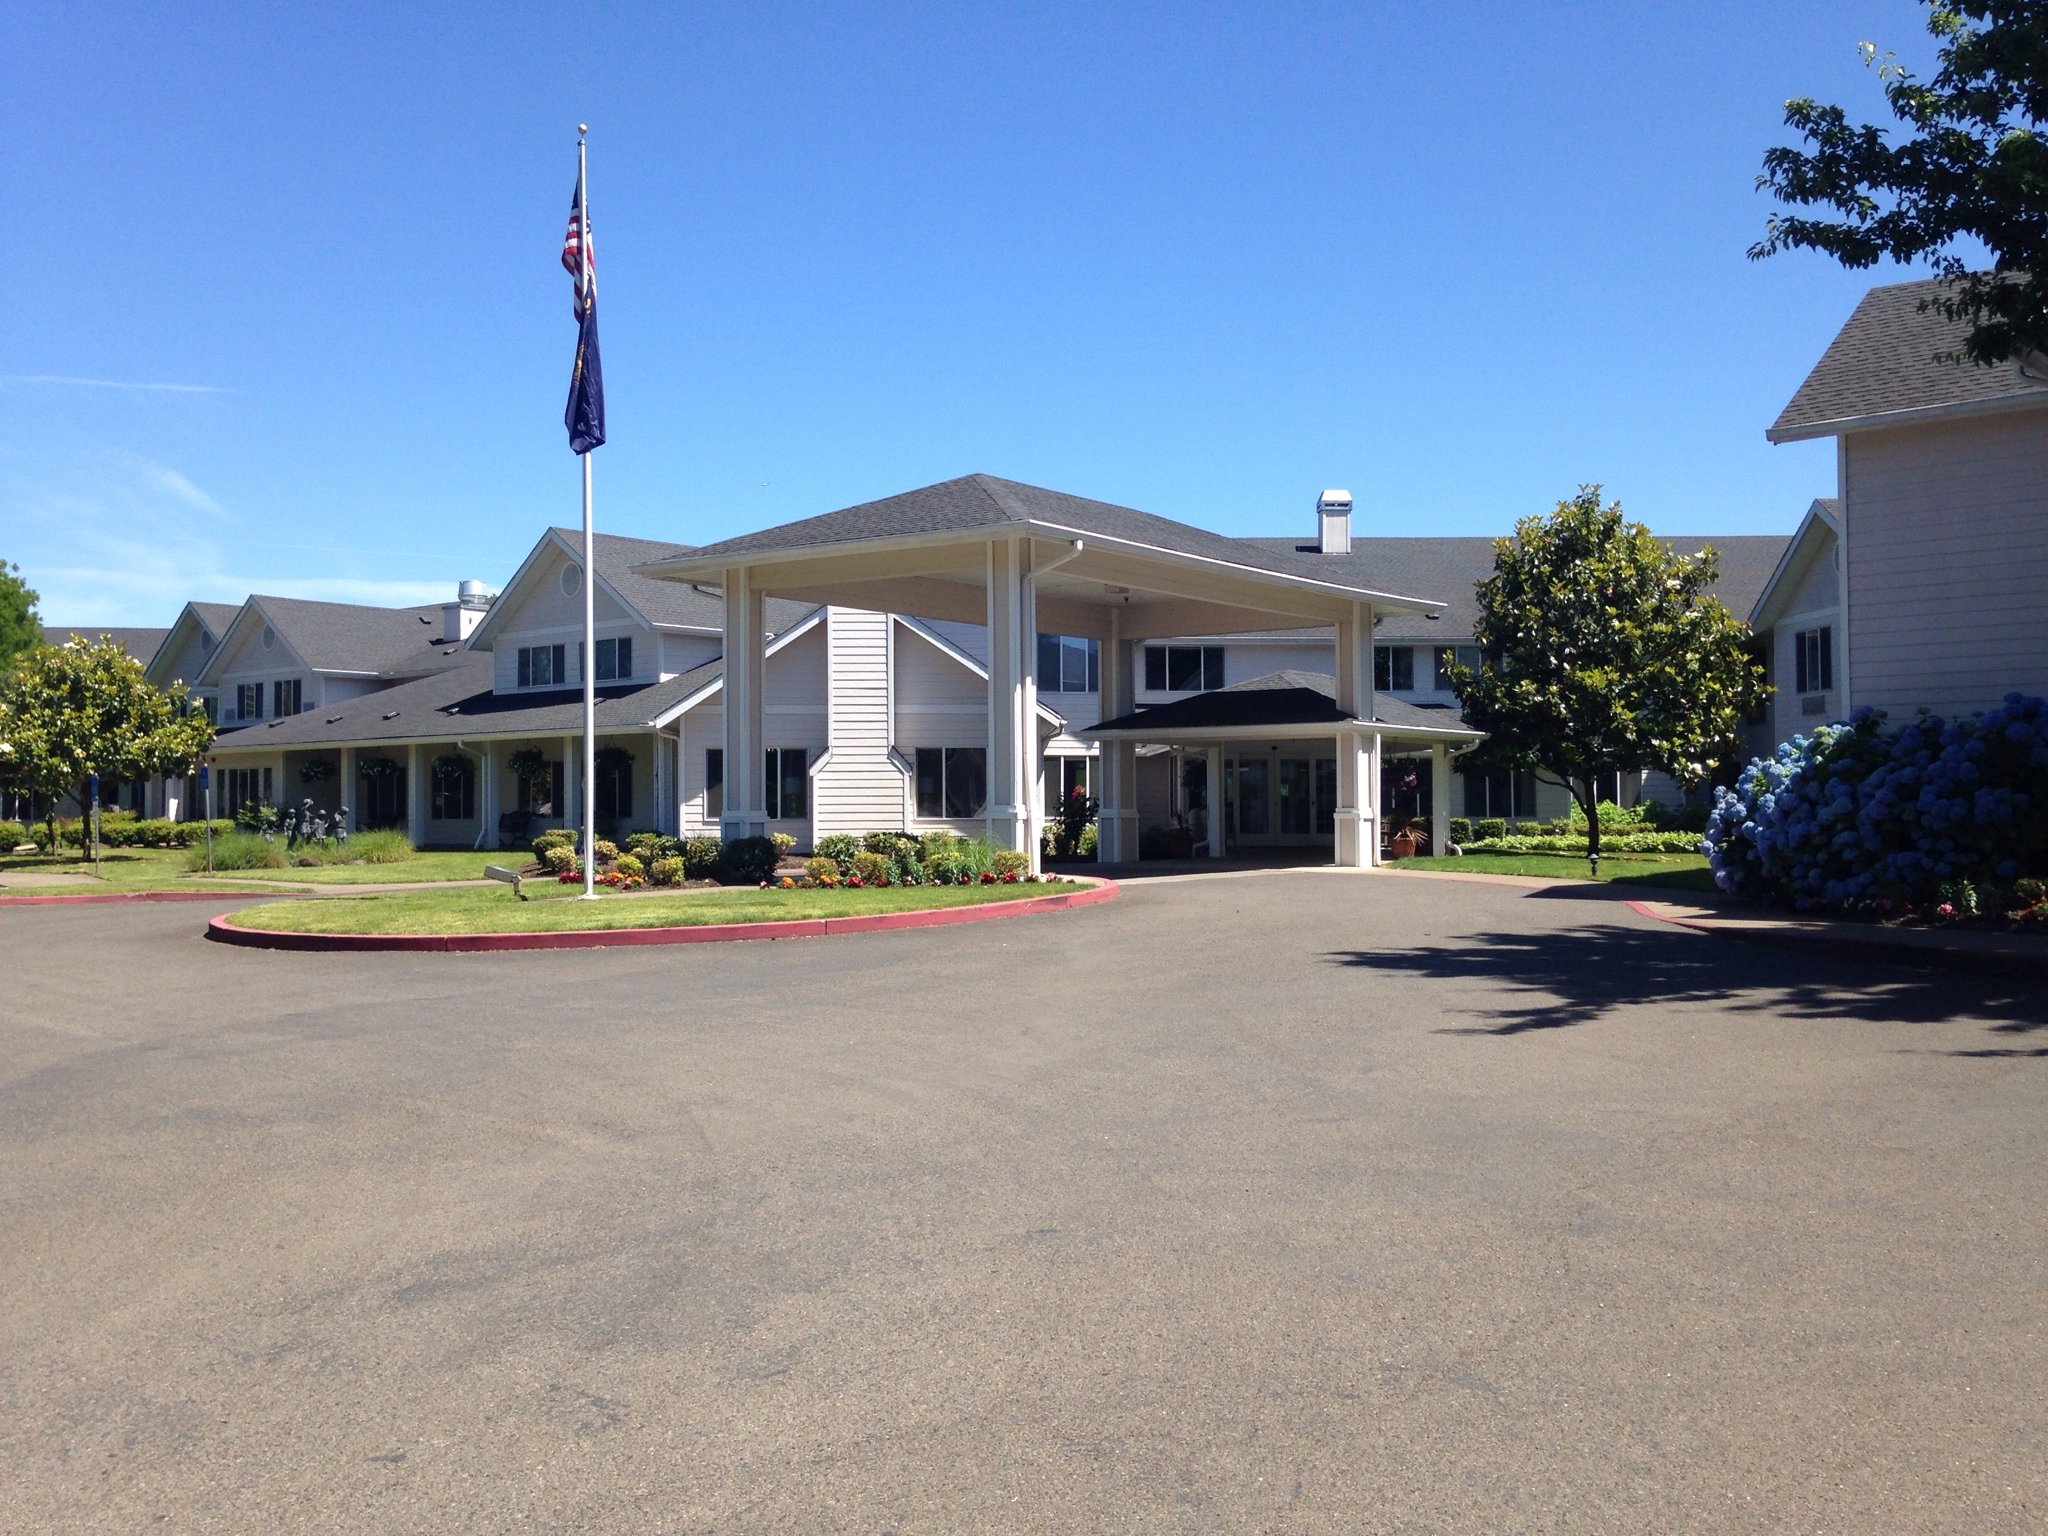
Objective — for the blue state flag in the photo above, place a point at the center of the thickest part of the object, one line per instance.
(585, 414)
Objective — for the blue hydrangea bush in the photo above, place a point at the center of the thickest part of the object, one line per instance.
(1859, 816)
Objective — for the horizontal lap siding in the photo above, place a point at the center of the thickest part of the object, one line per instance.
(860, 789)
(1948, 563)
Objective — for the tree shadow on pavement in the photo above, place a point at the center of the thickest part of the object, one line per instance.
(1578, 975)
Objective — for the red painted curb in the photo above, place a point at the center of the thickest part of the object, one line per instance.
(221, 931)
(1948, 957)
(90, 898)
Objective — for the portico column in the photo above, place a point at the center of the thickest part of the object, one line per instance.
(1116, 818)
(746, 750)
(1008, 815)
(487, 800)
(1439, 798)
(1357, 787)
(1375, 766)
(345, 795)
(1216, 805)
(569, 793)
(415, 797)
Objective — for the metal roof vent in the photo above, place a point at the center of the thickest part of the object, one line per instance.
(461, 617)
(1333, 522)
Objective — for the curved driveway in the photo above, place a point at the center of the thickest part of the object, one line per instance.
(1294, 1202)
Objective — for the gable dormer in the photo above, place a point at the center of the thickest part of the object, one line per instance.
(534, 631)
(256, 674)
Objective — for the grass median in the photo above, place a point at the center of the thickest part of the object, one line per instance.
(497, 911)
(121, 869)
(1682, 871)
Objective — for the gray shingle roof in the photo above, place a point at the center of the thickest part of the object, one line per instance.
(1282, 698)
(142, 644)
(216, 616)
(985, 501)
(1451, 567)
(354, 637)
(459, 703)
(1881, 363)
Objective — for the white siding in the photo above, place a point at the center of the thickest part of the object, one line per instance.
(861, 789)
(686, 653)
(539, 612)
(1948, 560)
(939, 702)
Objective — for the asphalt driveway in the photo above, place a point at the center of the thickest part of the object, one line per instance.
(1301, 1202)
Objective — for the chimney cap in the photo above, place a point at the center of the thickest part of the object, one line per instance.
(1334, 501)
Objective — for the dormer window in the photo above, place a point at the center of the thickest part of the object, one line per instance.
(543, 666)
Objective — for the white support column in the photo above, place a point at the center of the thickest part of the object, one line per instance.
(1116, 840)
(415, 796)
(1008, 818)
(569, 793)
(1439, 798)
(1375, 764)
(1357, 788)
(1031, 762)
(345, 792)
(746, 749)
(1216, 805)
(487, 799)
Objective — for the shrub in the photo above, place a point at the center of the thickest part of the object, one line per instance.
(649, 847)
(1461, 829)
(605, 851)
(1619, 842)
(700, 858)
(12, 835)
(668, 871)
(554, 837)
(240, 850)
(1675, 818)
(559, 858)
(1009, 861)
(822, 869)
(1857, 814)
(628, 865)
(256, 817)
(386, 845)
(872, 868)
(783, 842)
(840, 848)
(747, 861)
(1485, 828)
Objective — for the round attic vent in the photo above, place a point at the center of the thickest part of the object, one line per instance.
(269, 637)
(572, 580)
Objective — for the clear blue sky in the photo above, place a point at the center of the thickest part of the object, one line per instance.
(1202, 260)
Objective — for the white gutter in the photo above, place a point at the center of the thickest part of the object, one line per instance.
(1908, 417)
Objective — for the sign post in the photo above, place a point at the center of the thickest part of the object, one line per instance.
(206, 789)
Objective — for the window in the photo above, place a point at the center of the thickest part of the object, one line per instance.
(614, 781)
(1252, 782)
(1183, 668)
(248, 701)
(543, 666)
(952, 782)
(539, 795)
(1393, 668)
(1813, 660)
(1503, 794)
(240, 787)
(284, 697)
(1466, 656)
(1068, 664)
(789, 783)
(212, 704)
(1296, 811)
(454, 790)
(714, 783)
(614, 659)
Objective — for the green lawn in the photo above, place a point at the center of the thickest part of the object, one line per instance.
(445, 865)
(121, 869)
(1686, 871)
(496, 910)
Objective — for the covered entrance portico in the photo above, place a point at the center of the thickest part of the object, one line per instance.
(1021, 561)
(1279, 747)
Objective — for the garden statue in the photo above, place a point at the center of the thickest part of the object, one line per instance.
(291, 830)
(341, 826)
(319, 833)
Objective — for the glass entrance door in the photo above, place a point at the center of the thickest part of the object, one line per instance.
(1296, 810)
(1253, 784)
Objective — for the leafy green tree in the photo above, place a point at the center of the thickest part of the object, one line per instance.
(21, 629)
(1604, 655)
(68, 712)
(1974, 171)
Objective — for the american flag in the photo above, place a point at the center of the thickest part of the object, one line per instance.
(579, 257)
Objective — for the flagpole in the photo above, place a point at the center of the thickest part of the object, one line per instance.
(589, 588)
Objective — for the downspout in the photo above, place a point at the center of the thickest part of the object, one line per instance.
(483, 824)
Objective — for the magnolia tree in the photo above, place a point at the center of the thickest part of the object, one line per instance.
(68, 712)
(1604, 655)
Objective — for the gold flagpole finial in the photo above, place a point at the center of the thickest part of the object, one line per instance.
(581, 129)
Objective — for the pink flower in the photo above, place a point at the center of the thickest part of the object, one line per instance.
(1945, 910)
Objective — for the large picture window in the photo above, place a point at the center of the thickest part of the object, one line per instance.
(240, 787)
(1069, 664)
(1393, 668)
(541, 794)
(1504, 794)
(543, 666)
(454, 790)
(614, 659)
(1183, 668)
(1813, 660)
(952, 783)
(789, 783)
